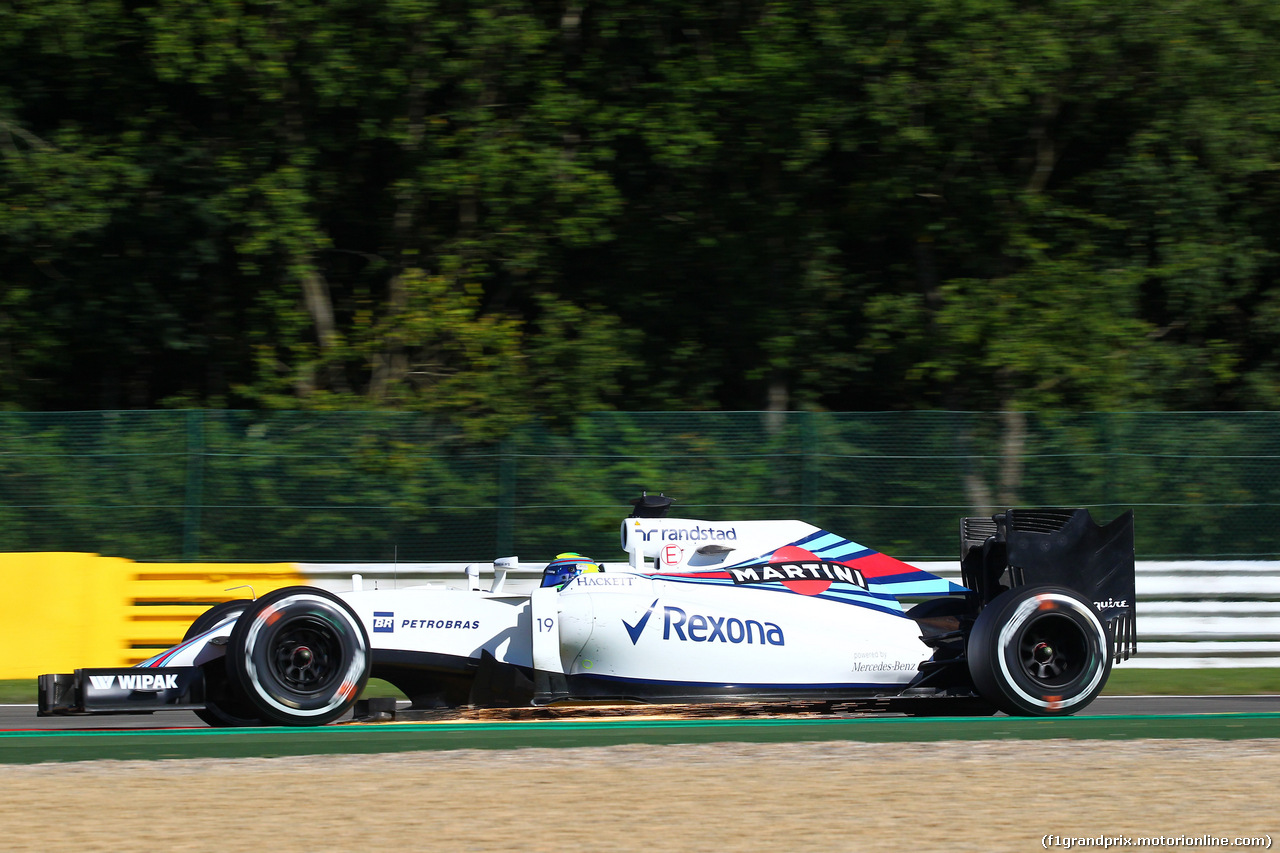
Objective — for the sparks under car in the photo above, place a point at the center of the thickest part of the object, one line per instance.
(703, 611)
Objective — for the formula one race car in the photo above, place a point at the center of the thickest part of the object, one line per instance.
(727, 611)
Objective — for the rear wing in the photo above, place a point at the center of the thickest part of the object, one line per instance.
(1062, 547)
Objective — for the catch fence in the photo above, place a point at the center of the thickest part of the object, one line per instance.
(384, 486)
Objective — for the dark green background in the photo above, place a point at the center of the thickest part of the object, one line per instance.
(373, 486)
(492, 209)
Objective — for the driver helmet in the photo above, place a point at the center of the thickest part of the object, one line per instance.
(566, 567)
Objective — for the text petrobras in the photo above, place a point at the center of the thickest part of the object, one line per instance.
(385, 623)
(776, 572)
(440, 623)
(135, 682)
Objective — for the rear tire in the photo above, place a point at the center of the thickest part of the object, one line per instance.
(225, 706)
(1039, 651)
(300, 655)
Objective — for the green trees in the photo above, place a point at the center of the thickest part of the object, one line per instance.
(491, 210)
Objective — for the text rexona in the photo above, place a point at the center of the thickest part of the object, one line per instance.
(722, 629)
(816, 571)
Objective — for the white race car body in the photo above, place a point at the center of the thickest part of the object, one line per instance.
(776, 606)
(702, 610)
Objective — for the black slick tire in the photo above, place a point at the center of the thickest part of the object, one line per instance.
(300, 655)
(1039, 651)
(225, 705)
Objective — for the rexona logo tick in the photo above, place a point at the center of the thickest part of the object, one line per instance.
(799, 571)
(696, 628)
(634, 631)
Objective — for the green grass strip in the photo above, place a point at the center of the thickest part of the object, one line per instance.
(1131, 681)
(1124, 681)
(34, 747)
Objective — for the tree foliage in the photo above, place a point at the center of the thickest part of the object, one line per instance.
(505, 208)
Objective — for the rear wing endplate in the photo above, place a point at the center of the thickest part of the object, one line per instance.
(1061, 547)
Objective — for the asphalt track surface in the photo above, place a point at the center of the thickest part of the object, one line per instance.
(26, 739)
(23, 717)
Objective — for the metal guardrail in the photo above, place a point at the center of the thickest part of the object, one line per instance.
(1191, 614)
(1196, 614)
(1202, 614)
(67, 610)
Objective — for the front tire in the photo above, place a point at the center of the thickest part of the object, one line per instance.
(225, 705)
(1039, 651)
(300, 655)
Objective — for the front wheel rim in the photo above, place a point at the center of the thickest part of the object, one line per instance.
(306, 655)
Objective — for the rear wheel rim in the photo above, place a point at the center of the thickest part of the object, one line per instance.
(1053, 651)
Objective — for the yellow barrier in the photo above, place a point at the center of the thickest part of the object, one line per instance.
(59, 612)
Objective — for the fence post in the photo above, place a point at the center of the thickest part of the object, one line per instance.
(809, 465)
(506, 497)
(195, 485)
(1110, 459)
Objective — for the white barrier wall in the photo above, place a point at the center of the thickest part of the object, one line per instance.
(1191, 614)
(1199, 614)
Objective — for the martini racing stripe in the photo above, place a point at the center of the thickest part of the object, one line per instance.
(163, 657)
(167, 655)
(699, 575)
(880, 601)
(877, 568)
(836, 555)
(910, 583)
(822, 541)
(714, 687)
(930, 586)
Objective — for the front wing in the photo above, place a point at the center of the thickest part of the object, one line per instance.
(121, 690)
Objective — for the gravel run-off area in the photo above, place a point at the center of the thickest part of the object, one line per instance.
(845, 796)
